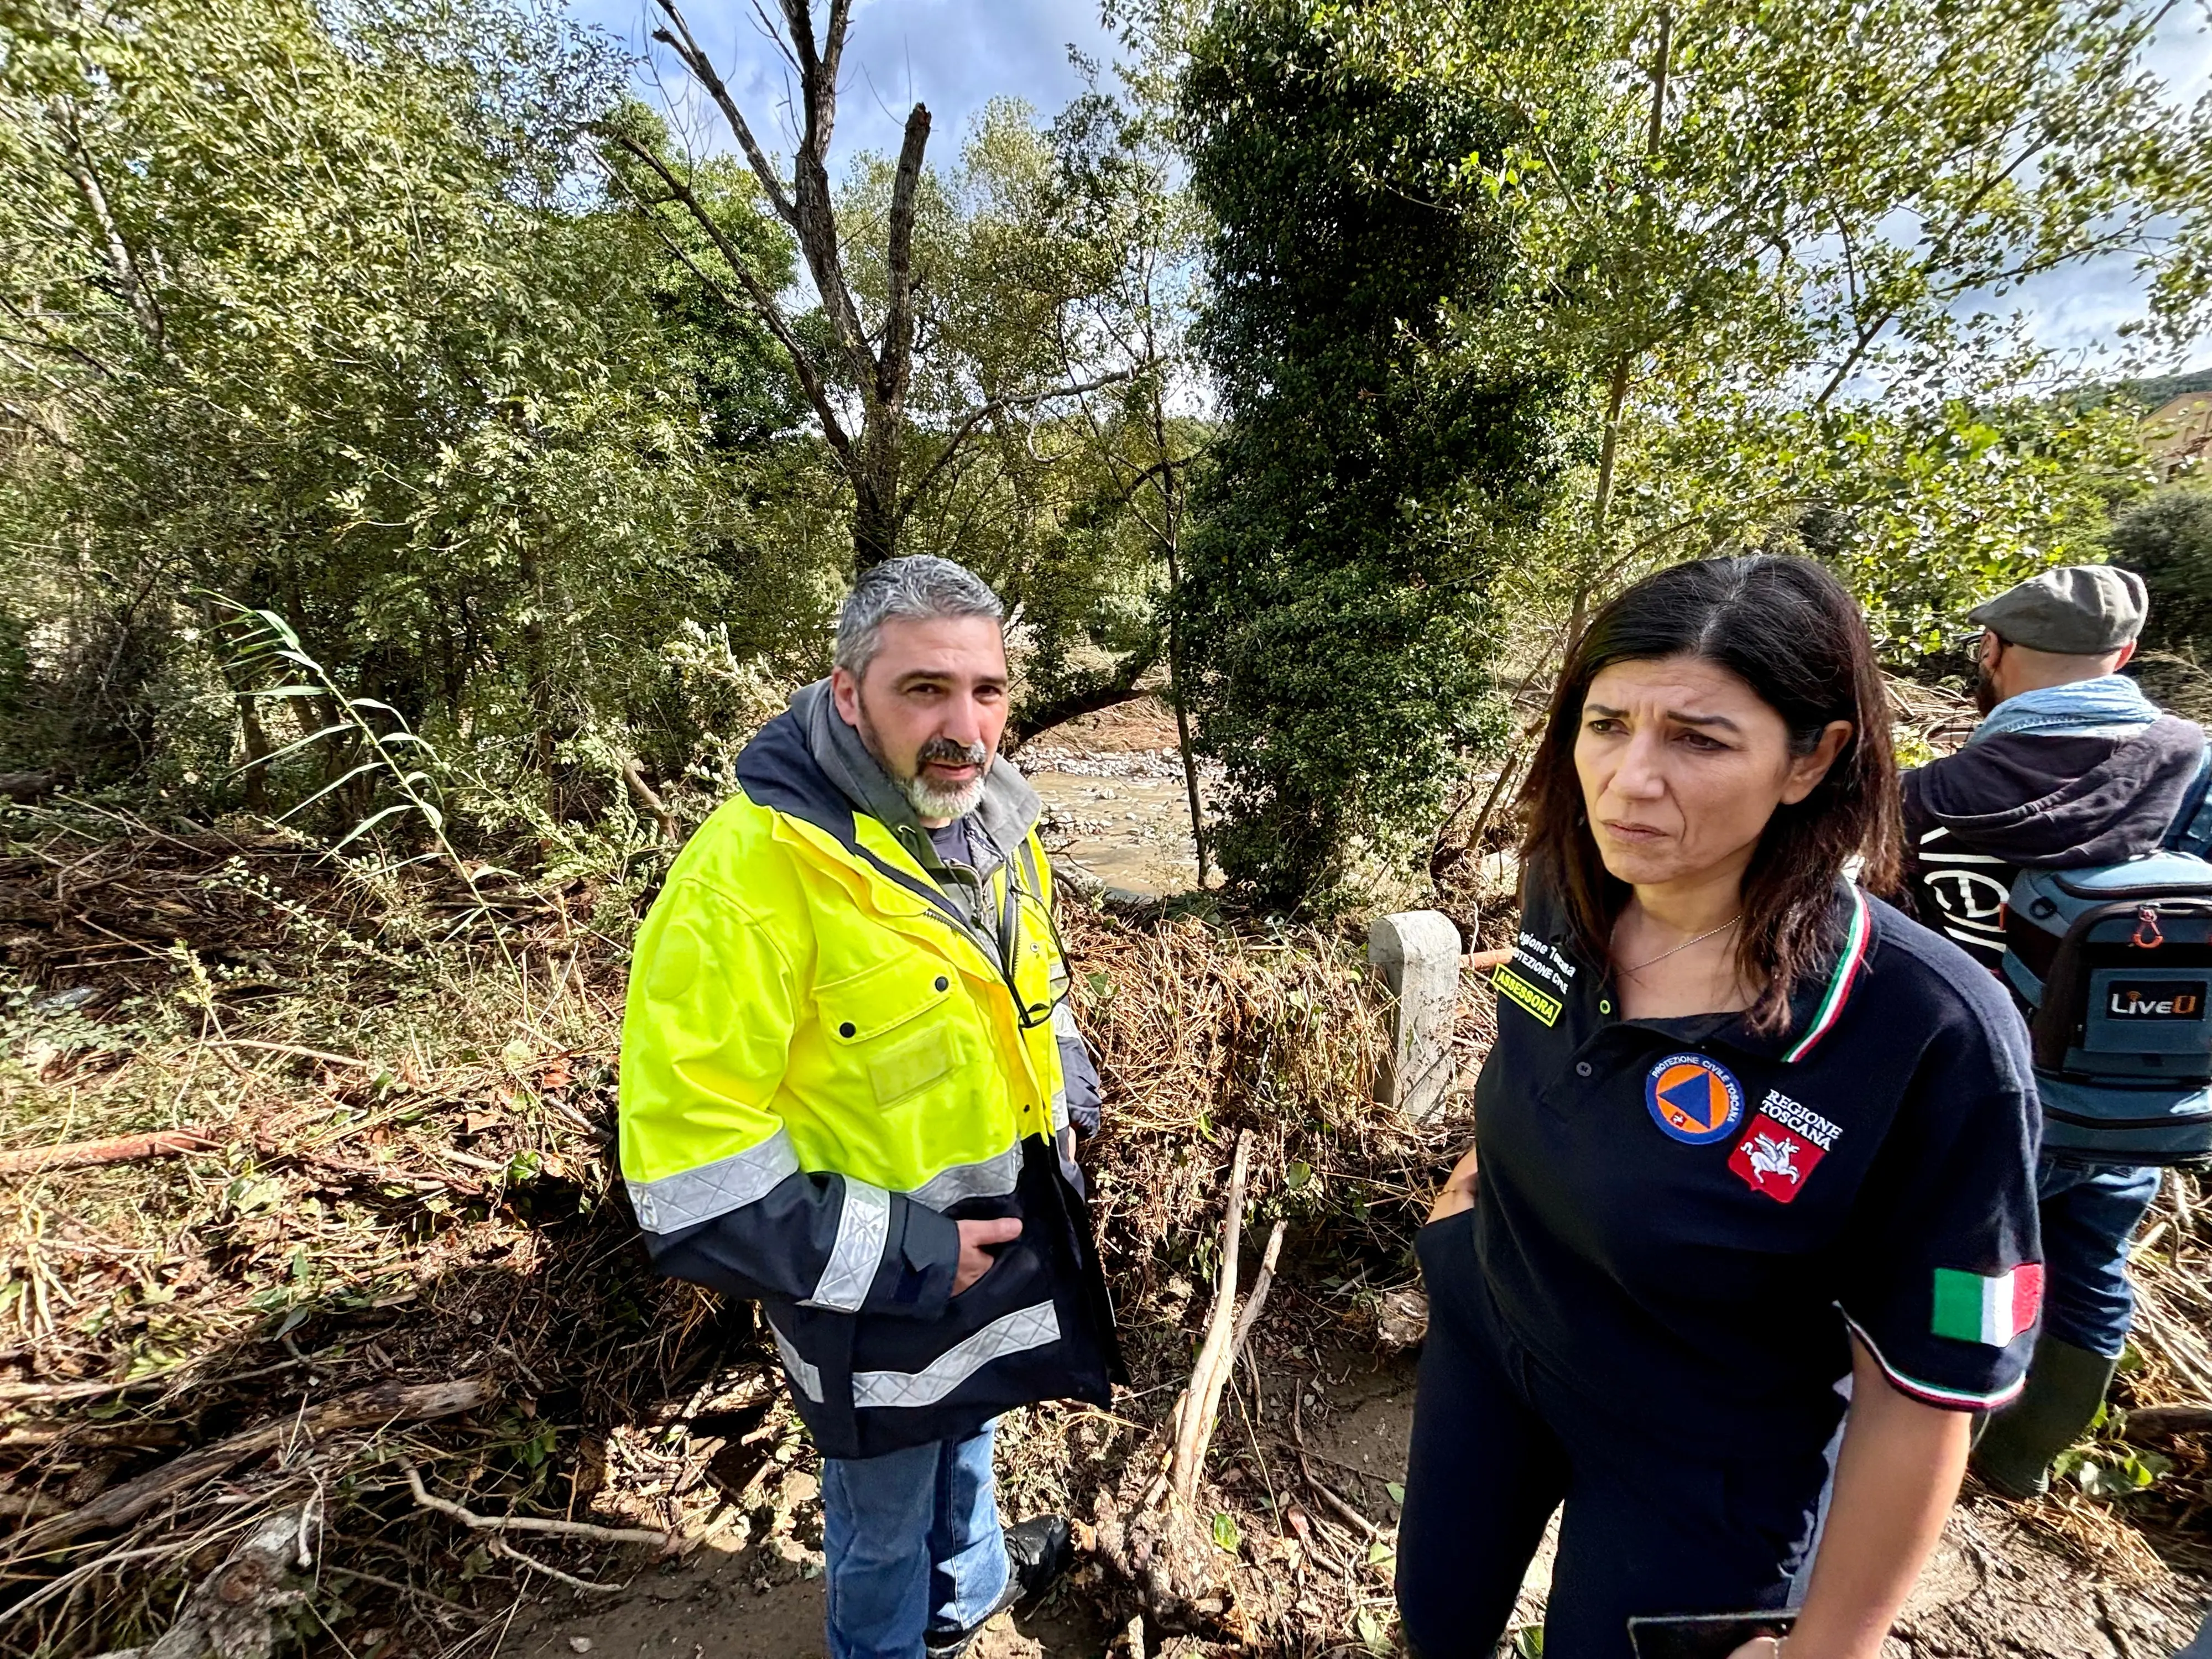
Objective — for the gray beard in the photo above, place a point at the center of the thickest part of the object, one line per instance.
(928, 803)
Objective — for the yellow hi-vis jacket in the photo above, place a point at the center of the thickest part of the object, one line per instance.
(822, 1069)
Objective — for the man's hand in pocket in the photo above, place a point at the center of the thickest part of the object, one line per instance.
(974, 1260)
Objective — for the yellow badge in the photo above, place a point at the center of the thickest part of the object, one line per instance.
(1514, 988)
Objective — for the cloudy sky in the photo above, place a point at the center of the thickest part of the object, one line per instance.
(955, 55)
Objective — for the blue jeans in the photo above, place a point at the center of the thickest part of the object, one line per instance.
(913, 1544)
(2090, 1213)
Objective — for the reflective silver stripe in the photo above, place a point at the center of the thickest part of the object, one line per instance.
(805, 1377)
(1014, 1333)
(690, 1196)
(864, 1225)
(1064, 1032)
(995, 1177)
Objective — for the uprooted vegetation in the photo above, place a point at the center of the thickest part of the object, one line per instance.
(340, 1220)
(333, 1324)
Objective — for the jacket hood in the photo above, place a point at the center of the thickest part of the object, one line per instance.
(809, 762)
(2063, 802)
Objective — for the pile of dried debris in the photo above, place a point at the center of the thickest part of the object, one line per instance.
(323, 1315)
(310, 1229)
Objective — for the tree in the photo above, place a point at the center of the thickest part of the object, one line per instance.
(1734, 211)
(2167, 539)
(1123, 153)
(1019, 249)
(312, 312)
(1368, 484)
(857, 368)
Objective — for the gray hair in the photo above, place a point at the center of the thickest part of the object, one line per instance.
(919, 587)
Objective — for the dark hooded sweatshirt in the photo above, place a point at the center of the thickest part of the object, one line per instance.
(2055, 800)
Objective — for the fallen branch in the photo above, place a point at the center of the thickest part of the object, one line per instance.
(667, 1541)
(1258, 1299)
(501, 1546)
(293, 1049)
(12, 1393)
(1201, 1399)
(170, 1377)
(1149, 1533)
(124, 1149)
(373, 1171)
(649, 798)
(371, 1408)
(1321, 1489)
(2166, 1420)
(233, 1612)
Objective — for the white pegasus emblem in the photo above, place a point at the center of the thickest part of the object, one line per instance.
(1770, 1156)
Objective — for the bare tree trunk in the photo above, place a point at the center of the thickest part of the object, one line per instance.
(880, 373)
(1616, 397)
(536, 669)
(878, 368)
(1183, 718)
(256, 751)
(1607, 456)
(876, 520)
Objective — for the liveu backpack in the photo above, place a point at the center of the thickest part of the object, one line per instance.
(2114, 964)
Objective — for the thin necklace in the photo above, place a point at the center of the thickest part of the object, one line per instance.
(1686, 944)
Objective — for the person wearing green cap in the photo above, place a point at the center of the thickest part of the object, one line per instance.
(2073, 768)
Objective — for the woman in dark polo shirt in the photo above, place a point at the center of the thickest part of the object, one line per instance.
(1749, 1230)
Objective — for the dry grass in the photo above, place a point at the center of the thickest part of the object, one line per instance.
(412, 1182)
(2138, 1538)
(409, 1179)
(1201, 1032)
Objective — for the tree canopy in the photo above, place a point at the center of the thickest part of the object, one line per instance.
(1322, 366)
(1370, 482)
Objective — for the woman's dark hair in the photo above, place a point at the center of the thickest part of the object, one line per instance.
(1789, 631)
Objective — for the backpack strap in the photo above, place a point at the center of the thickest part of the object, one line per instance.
(2192, 824)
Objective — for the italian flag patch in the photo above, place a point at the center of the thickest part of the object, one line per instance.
(1970, 1308)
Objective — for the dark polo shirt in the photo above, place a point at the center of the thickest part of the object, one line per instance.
(1682, 1217)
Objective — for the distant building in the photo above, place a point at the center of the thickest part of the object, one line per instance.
(2177, 434)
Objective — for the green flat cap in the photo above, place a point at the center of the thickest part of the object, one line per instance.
(2074, 611)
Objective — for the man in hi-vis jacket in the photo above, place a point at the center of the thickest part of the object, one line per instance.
(850, 1086)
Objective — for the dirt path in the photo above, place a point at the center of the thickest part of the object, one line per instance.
(2000, 1584)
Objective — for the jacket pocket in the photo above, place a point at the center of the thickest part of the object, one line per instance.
(893, 1025)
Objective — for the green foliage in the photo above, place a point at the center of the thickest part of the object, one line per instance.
(2167, 539)
(2105, 1466)
(1777, 241)
(1925, 507)
(2104, 1469)
(1370, 483)
(319, 314)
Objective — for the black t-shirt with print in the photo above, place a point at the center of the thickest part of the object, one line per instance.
(1683, 1216)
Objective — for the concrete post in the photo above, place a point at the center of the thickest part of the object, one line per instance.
(1417, 952)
